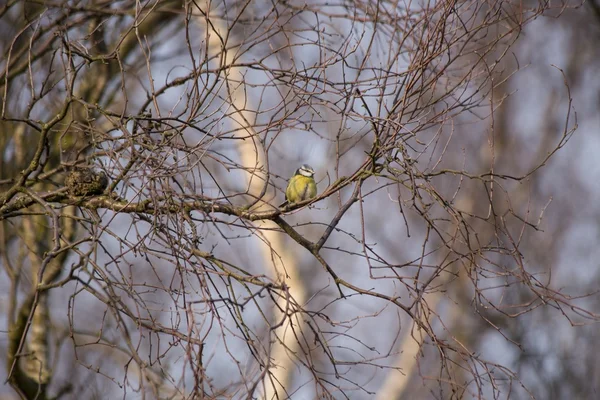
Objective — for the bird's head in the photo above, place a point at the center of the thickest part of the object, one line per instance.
(305, 170)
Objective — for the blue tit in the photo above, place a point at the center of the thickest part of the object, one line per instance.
(301, 186)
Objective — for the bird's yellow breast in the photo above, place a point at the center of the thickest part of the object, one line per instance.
(300, 188)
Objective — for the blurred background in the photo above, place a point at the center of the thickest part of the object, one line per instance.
(450, 252)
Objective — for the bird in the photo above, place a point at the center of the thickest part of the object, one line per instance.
(301, 186)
